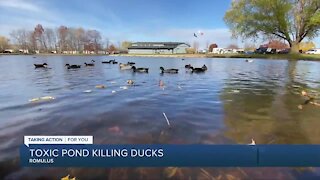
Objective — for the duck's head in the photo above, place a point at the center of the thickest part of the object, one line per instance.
(93, 60)
(67, 65)
(130, 81)
(133, 67)
(161, 68)
(45, 64)
(85, 63)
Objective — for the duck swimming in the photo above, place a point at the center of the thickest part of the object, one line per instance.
(130, 82)
(107, 62)
(172, 71)
(143, 70)
(204, 67)
(125, 66)
(44, 65)
(90, 64)
(197, 70)
(73, 66)
(188, 66)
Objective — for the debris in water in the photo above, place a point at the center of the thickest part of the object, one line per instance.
(123, 87)
(115, 130)
(68, 178)
(88, 91)
(252, 143)
(304, 93)
(161, 83)
(165, 116)
(235, 91)
(113, 92)
(44, 98)
(113, 82)
(101, 86)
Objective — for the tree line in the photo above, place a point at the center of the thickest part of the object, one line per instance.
(59, 40)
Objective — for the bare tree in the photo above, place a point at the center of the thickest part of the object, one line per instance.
(39, 36)
(50, 39)
(125, 44)
(21, 37)
(80, 38)
(62, 37)
(94, 38)
(4, 43)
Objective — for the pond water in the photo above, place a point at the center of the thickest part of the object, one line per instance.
(231, 103)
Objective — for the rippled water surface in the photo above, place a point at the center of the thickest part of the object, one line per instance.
(231, 103)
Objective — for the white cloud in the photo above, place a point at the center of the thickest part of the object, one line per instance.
(19, 4)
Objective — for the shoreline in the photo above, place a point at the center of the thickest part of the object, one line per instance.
(233, 56)
(305, 57)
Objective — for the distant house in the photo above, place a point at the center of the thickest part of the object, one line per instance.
(158, 48)
(24, 51)
(70, 52)
(227, 51)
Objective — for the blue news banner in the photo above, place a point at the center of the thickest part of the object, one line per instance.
(170, 155)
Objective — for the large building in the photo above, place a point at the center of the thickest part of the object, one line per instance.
(158, 48)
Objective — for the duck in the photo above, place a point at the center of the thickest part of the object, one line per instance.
(73, 66)
(197, 70)
(107, 62)
(204, 67)
(188, 66)
(172, 71)
(122, 65)
(143, 70)
(125, 66)
(44, 65)
(130, 82)
(249, 61)
(90, 64)
(131, 63)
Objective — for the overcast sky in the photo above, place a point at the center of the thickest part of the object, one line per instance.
(133, 20)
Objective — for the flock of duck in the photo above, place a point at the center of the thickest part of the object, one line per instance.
(130, 66)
